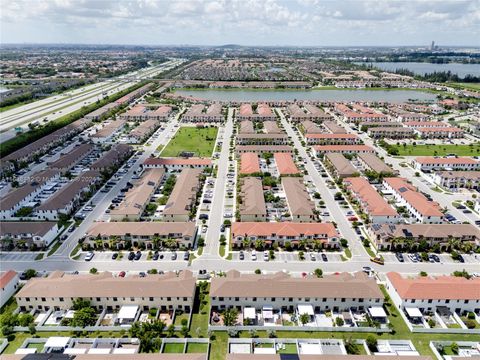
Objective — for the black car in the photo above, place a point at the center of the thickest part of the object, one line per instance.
(131, 255)
(207, 201)
(203, 217)
(64, 237)
(138, 255)
(399, 257)
(142, 274)
(358, 231)
(461, 259)
(324, 257)
(114, 256)
(241, 255)
(155, 256)
(435, 258)
(186, 256)
(161, 256)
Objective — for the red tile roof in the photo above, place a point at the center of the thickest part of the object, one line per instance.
(285, 164)
(442, 287)
(433, 160)
(6, 277)
(249, 163)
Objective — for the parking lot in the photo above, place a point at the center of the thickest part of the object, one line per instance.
(163, 256)
(287, 256)
(444, 258)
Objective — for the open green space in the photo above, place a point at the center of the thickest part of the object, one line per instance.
(468, 86)
(197, 348)
(173, 348)
(199, 141)
(438, 150)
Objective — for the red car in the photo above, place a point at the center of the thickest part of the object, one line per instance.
(121, 274)
(353, 218)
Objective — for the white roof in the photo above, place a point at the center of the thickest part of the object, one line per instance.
(75, 351)
(57, 342)
(267, 313)
(413, 312)
(24, 351)
(249, 313)
(310, 349)
(124, 351)
(99, 351)
(128, 312)
(305, 309)
(377, 311)
(259, 350)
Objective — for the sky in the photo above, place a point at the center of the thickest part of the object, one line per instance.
(243, 22)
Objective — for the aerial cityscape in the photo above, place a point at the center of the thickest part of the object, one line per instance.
(240, 180)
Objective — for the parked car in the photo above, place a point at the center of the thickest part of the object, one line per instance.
(324, 257)
(399, 257)
(312, 257)
(174, 256)
(266, 256)
(114, 256)
(89, 256)
(131, 255)
(142, 274)
(460, 258)
(155, 256)
(122, 274)
(203, 217)
(254, 255)
(241, 255)
(186, 256)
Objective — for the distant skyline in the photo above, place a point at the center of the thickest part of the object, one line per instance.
(243, 22)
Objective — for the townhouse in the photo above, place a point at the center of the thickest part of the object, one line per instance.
(73, 157)
(177, 163)
(406, 116)
(385, 132)
(131, 96)
(167, 291)
(371, 202)
(301, 206)
(424, 124)
(431, 294)
(107, 132)
(271, 127)
(44, 144)
(25, 194)
(308, 112)
(343, 149)
(249, 164)
(115, 234)
(161, 113)
(200, 113)
(332, 139)
(393, 237)
(284, 232)
(439, 133)
(339, 166)
(182, 200)
(355, 117)
(101, 112)
(309, 127)
(455, 180)
(373, 163)
(260, 112)
(317, 114)
(280, 291)
(252, 206)
(112, 158)
(8, 285)
(323, 356)
(66, 200)
(140, 133)
(246, 127)
(262, 139)
(27, 234)
(364, 126)
(262, 149)
(136, 113)
(333, 127)
(418, 206)
(138, 197)
(285, 164)
(435, 163)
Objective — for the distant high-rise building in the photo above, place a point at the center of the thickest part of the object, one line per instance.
(432, 47)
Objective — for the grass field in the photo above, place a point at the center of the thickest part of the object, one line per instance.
(440, 150)
(201, 141)
(468, 86)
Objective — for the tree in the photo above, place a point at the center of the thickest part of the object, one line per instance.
(25, 319)
(30, 273)
(93, 271)
(371, 342)
(454, 347)
(351, 346)
(230, 316)
(318, 272)
(304, 318)
(80, 303)
(258, 271)
(84, 317)
(171, 330)
(339, 321)
(184, 331)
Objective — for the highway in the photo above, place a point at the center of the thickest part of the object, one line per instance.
(59, 105)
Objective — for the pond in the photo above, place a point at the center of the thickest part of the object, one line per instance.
(421, 68)
(238, 95)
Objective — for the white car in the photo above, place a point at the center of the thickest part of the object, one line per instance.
(266, 256)
(254, 255)
(89, 256)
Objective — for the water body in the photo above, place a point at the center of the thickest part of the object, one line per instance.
(394, 96)
(421, 68)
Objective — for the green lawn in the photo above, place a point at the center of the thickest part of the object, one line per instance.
(468, 86)
(200, 141)
(440, 150)
(196, 348)
(179, 318)
(173, 348)
(199, 321)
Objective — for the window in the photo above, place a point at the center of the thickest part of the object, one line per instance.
(43, 299)
(343, 299)
(61, 299)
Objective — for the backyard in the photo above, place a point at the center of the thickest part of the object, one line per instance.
(199, 141)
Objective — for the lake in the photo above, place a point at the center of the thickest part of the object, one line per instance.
(394, 96)
(421, 68)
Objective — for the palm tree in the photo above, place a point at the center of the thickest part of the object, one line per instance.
(304, 318)
(303, 244)
(230, 316)
(259, 244)
(245, 243)
(156, 241)
(170, 243)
